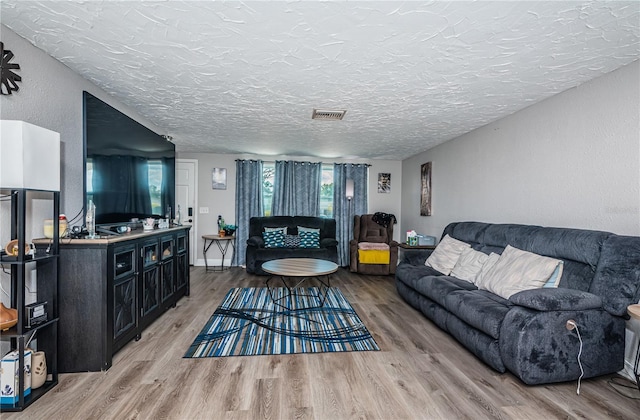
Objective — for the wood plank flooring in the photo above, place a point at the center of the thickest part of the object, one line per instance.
(420, 373)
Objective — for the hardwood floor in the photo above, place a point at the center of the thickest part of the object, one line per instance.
(420, 373)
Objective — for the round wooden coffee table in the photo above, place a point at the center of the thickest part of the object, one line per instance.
(295, 271)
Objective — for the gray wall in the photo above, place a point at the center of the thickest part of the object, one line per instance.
(572, 160)
(50, 96)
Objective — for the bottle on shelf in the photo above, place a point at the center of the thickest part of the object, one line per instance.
(178, 216)
(91, 220)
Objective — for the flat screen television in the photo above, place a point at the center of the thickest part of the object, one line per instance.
(129, 169)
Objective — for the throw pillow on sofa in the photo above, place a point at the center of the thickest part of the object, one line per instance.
(273, 239)
(276, 229)
(291, 241)
(517, 270)
(446, 254)
(554, 280)
(469, 264)
(309, 239)
(492, 259)
(306, 229)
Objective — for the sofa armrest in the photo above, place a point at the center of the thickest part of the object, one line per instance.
(415, 257)
(327, 242)
(556, 299)
(256, 241)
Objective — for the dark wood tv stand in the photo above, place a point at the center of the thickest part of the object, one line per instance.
(112, 288)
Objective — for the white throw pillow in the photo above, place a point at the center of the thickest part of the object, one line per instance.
(275, 229)
(446, 254)
(492, 259)
(469, 264)
(518, 270)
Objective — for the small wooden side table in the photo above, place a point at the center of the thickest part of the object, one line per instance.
(634, 312)
(223, 245)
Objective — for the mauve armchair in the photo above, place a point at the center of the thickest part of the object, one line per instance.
(369, 234)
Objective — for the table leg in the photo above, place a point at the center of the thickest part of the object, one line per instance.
(205, 248)
(636, 365)
(223, 251)
(321, 296)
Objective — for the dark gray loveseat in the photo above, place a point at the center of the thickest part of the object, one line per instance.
(527, 333)
(257, 254)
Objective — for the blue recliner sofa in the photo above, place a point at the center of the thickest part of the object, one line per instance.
(526, 334)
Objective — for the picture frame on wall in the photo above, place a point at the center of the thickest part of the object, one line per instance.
(219, 179)
(384, 183)
(425, 189)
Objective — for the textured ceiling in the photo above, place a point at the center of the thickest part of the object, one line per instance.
(244, 77)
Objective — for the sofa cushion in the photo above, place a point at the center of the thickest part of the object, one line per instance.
(518, 270)
(556, 300)
(469, 264)
(408, 273)
(481, 309)
(446, 254)
(438, 287)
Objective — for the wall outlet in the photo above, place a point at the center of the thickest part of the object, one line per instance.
(204, 210)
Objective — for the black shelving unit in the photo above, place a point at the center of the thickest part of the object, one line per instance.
(46, 261)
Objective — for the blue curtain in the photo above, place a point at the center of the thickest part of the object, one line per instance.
(296, 190)
(343, 209)
(248, 203)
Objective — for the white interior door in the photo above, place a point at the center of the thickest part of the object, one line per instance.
(186, 187)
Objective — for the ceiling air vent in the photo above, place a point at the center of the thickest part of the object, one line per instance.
(319, 114)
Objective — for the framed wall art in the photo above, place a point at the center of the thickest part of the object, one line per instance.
(384, 182)
(425, 189)
(219, 179)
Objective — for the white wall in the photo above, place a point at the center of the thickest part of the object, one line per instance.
(223, 201)
(572, 160)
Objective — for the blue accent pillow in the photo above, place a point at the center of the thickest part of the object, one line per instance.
(554, 280)
(309, 239)
(273, 239)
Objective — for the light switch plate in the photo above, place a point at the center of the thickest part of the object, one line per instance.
(204, 210)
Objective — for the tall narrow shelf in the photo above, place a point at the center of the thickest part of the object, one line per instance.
(46, 264)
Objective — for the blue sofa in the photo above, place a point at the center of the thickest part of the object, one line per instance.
(526, 334)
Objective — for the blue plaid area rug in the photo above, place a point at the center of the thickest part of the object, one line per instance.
(247, 323)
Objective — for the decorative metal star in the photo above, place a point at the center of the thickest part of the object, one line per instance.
(8, 79)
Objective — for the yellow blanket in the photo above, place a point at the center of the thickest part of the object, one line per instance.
(373, 256)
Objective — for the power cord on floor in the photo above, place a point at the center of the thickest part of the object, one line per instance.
(571, 325)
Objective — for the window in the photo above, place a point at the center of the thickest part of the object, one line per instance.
(268, 179)
(326, 188)
(155, 186)
(326, 191)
